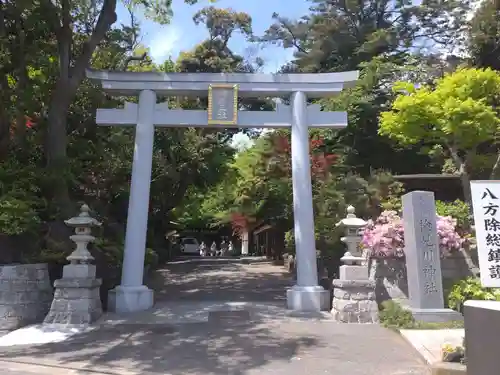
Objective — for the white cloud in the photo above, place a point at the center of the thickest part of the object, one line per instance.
(164, 43)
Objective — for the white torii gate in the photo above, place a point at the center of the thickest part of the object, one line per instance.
(223, 90)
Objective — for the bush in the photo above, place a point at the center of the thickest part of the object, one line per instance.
(468, 289)
(394, 316)
(458, 210)
(151, 258)
(17, 216)
(384, 237)
(290, 242)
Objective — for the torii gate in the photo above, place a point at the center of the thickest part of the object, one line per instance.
(222, 90)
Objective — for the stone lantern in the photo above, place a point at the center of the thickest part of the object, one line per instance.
(83, 224)
(353, 226)
(353, 292)
(77, 299)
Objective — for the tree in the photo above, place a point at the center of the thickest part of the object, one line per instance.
(213, 54)
(359, 146)
(484, 35)
(388, 41)
(78, 28)
(461, 114)
(339, 35)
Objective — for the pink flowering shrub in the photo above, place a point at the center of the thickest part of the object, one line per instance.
(384, 237)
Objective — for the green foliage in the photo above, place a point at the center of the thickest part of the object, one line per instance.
(151, 259)
(20, 200)
(394, 316)
(458, 210)
(452, 353)
(459, 111)
(484, 35)
(290, 242)
(470, 288)
(17, 216)
(326, 39)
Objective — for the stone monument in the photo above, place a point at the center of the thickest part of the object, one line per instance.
(423, 263)
(353, 293)
(76, 299)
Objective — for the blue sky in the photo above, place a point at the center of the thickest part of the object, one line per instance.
(183, 34)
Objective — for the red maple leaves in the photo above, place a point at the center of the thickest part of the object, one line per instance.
(28, 123)
(321, 162)
(240, 222)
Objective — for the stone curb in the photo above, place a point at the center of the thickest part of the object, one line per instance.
(448, 368)
(426, 356)
(438, 368)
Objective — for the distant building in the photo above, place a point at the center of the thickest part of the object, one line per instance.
(446, 187)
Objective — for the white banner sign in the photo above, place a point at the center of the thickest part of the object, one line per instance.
(486, 206)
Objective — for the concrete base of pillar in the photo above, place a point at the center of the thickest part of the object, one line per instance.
(435, 315)
(125, 299)
(308, 298)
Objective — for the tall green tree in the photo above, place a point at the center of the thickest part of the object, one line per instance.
(339, 35)
(461, 114)
(75, 29)
(484, 35)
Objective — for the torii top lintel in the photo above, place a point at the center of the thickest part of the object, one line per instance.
(314, 85)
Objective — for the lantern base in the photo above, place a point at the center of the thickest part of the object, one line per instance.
(76, 301)
(353, 272)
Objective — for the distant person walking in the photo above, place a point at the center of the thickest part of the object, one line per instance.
(223, 248)
(203, 249)
(213, 249)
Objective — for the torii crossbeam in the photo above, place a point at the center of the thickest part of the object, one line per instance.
(223, 90)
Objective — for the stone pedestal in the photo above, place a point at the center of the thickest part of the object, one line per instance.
(353, 272)
(354, 301)
(76, 299)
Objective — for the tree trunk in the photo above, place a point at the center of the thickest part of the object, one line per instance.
(496, 168)
(55, 152)
(4, 118)
(5, 97)
(70, 78)
(465, 179)
(461, 165)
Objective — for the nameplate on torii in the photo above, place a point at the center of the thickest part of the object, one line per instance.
(163, 116)
(222, 104)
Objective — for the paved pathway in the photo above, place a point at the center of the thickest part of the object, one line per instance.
(222, 319)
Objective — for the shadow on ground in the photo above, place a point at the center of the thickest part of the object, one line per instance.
(221, 344)
(196, 348)
(221, 281)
